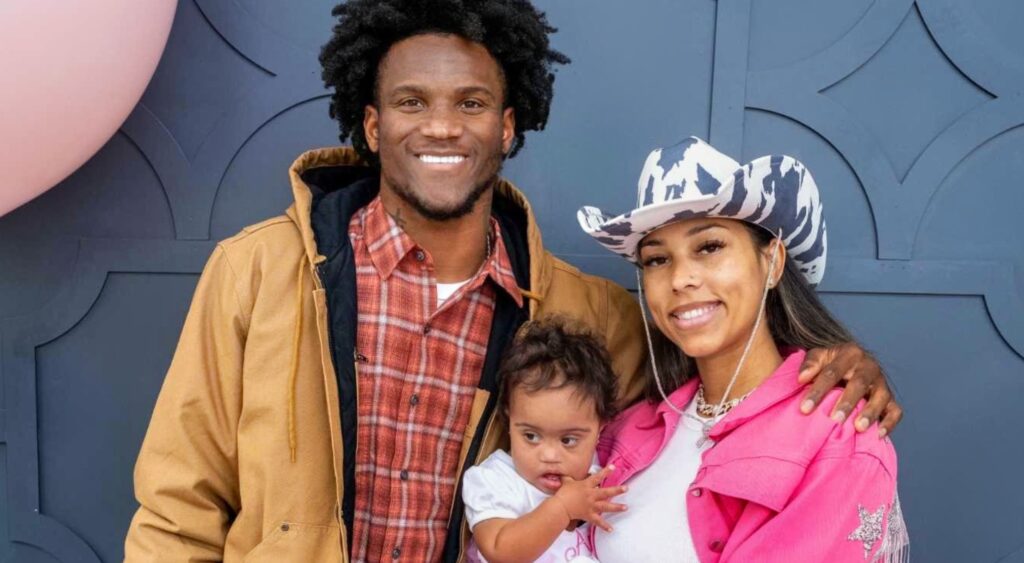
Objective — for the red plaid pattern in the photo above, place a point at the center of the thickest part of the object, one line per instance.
(418, 368)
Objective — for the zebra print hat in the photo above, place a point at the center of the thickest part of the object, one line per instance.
(692, 179)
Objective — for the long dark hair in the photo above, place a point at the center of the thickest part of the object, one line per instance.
(795, 315)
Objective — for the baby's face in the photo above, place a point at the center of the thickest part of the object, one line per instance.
(553, 433)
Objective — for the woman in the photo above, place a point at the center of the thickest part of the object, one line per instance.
(725, 468)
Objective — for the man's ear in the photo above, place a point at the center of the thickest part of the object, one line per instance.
(371, 127)
(508, 129)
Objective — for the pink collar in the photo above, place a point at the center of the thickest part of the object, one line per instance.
(780, 385)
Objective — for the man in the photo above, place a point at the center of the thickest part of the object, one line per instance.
(336, 371)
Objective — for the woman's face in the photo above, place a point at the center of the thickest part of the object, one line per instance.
(703, 279)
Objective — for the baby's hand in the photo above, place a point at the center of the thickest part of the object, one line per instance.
(587, 500)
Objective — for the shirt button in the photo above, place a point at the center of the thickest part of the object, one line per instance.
(715, 545)
(696, 492)
(414, 400)
(420, 256)
(395, 553)
(404, 475)
(426, 330)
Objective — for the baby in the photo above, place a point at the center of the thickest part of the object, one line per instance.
(557, 392)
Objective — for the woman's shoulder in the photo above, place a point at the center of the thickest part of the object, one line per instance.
(844, 440)
(804, 439)
(791, 452)
(818, 438)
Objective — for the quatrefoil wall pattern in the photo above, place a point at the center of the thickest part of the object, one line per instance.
(910, 114)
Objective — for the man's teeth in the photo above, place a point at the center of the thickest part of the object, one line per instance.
(694, 313)
(431, 159)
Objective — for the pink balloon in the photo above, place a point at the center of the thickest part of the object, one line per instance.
(70, 73)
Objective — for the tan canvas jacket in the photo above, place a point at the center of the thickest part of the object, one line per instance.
(243, 457)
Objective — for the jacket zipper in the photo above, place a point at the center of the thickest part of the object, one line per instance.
(339, 513)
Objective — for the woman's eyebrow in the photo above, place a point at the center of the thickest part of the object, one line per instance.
(702, 228)
(691, 232)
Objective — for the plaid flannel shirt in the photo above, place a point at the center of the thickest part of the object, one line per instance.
(418, 368)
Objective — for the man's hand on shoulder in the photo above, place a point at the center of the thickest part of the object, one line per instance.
(849, 366)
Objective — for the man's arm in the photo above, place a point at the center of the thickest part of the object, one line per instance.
(186, 477)
(850, 366)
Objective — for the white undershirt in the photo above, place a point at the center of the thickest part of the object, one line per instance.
(656, 527)
(446, 290)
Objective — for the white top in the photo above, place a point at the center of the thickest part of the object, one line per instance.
(655, 527)
(493, 489)
(446, 290)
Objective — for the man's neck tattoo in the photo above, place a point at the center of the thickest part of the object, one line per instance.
(397, 216)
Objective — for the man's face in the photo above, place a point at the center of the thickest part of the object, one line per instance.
(439, 125)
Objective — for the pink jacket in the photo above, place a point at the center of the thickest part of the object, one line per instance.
(776, 485)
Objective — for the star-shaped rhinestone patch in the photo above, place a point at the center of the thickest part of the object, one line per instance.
(870, 529)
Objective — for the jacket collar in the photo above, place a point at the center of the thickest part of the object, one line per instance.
(780, 385)
(300, 212)
(341, 166)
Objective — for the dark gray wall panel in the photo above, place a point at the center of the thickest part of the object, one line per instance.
(199, 77)
(788, 31)
(901, 110)
(256, 184)
(986, 185)
(640, 78)
(97, 384)
(851, 233)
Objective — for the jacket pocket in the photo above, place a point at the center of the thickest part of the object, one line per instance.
(292, 541)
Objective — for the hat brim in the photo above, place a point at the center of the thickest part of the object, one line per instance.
(622, 234)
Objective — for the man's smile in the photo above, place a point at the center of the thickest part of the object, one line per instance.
(438, 161)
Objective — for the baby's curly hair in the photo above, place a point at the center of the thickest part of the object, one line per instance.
(513, 31)
(557, 352)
